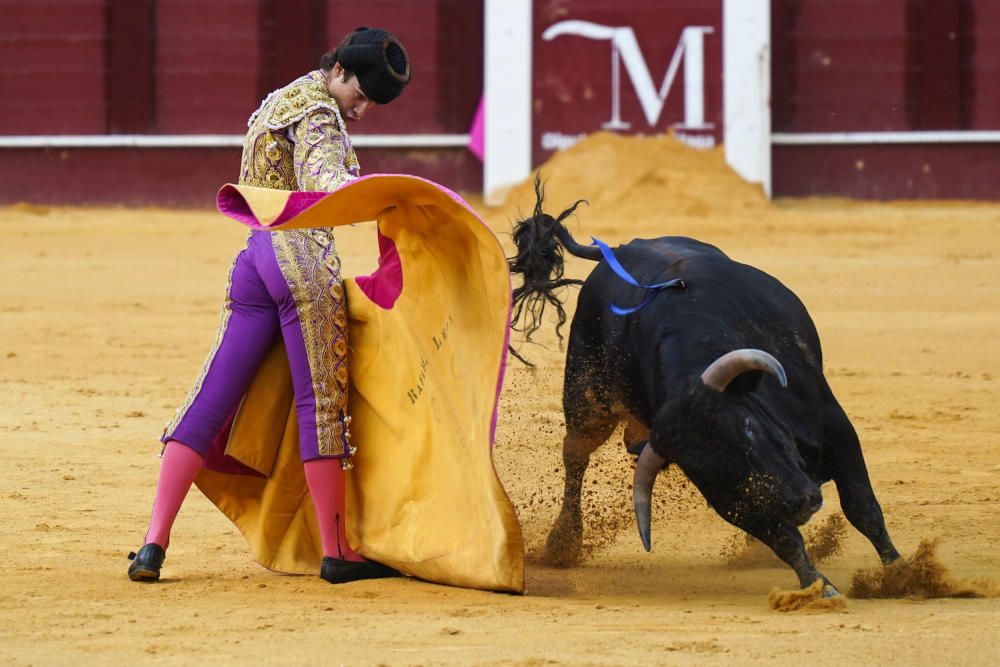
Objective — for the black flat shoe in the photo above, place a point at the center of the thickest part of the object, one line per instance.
(147, 563)
(339, 571)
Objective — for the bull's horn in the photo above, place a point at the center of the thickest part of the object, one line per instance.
(726, 368)
(646, 468)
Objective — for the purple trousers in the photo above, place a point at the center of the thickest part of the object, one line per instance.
(287, 284)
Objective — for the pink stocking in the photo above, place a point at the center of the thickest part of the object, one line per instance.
(325, 478)
(178, 469)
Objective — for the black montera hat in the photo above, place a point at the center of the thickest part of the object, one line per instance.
(379, 61)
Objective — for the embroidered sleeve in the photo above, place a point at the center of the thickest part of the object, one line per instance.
(321, 152)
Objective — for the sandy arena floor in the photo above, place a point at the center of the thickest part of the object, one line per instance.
(107, 315)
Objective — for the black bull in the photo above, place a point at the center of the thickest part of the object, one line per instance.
(721, 375)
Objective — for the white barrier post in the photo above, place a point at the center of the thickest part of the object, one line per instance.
(507, 159)
(746, 67)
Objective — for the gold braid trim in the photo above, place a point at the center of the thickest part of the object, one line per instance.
(321, 153)
(308, 260)
(296, 100)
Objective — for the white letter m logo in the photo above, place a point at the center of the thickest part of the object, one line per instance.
(625, 47)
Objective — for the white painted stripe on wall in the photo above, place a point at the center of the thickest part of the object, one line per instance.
(507, 74)
(218, 141)
(928, 137)
(746, 89)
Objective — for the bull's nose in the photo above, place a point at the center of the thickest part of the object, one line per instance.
(815, 502)
(809, 506)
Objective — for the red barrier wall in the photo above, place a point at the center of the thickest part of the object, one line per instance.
(53, 76)
(96, 67)
(894, 65)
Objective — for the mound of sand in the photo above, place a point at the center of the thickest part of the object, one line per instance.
(639, 178)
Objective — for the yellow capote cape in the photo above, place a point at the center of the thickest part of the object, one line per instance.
(425, 377)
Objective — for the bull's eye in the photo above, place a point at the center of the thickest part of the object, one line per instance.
(748, 427)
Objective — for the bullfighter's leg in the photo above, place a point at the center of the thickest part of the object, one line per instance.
(303, 277)
(590, 420)
(846, 466)
(249, 323)
(248, 326)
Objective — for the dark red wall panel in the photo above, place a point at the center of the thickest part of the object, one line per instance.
(291, 38)
(131, 44)
(908, 171)
(52, 77)
(206, 65)
(892, 65)
(985, 64)
(838, 65)
(937, 59)
(458, 64)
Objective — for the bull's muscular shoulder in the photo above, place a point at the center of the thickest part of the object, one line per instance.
(287, 106)
(678, 247)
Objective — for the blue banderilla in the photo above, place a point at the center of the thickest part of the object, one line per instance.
(651, 290)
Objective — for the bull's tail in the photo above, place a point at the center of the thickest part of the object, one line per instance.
(540, 240)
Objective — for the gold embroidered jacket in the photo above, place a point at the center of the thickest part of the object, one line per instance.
(297, 140)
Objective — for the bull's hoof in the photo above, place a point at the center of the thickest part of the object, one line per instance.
(890, 559)
(563, 547)
(830, 591)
